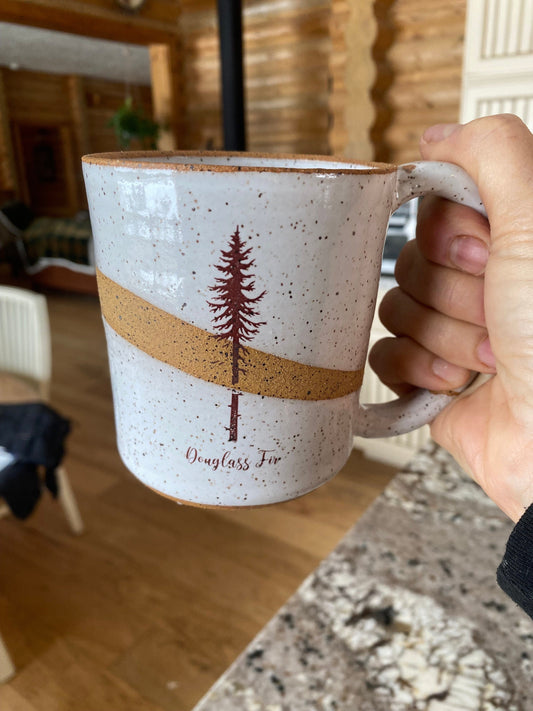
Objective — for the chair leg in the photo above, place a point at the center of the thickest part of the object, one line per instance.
(68, 501)
(7, 669)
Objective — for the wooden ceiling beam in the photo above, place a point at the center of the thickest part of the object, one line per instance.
(88, 20)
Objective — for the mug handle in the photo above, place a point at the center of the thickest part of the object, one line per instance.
(420, 406)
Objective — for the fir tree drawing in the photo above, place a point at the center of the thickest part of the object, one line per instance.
(235, 312)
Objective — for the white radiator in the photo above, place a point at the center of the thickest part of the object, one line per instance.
(395, 451)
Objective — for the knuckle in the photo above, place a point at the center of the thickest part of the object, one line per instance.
(429, 206)
(504, 126)
(509, 122)
(451, 296)
(375, 355)
(405, 262)
(388, 306)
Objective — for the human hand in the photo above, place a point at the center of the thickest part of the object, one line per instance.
(465, 302)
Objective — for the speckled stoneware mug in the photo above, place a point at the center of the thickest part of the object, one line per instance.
(238, 293)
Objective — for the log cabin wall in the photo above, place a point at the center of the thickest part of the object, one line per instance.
(299, 86)
(8, 178)
(353, 28)
(287, 48)
(338, 133)
(39, 126)
(418, 53)
(101, 99)
(75, 110)
(66, 115)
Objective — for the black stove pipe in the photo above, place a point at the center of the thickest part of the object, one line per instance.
(231, 57)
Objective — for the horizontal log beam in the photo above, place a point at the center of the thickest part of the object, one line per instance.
(89, 21)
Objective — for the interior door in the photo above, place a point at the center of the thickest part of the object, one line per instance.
(45, 166)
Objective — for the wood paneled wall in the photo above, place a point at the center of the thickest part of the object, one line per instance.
(353, 30)
(338, 132)
(85, 106)
(303, 92)
(287, 48)
(50, 99)
(8, 178)
(80, 108)
(34, 101)
(102, 98)
(299, 85)
(418, 54)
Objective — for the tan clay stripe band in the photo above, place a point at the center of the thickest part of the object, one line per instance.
(203, 355)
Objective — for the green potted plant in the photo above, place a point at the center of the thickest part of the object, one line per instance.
(130, 123)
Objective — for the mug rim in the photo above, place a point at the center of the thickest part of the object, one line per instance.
(140, 160)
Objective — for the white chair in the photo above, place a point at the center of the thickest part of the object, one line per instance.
(25, 373)
(26, 369)
(7, 668)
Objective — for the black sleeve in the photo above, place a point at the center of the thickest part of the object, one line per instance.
(515, 572)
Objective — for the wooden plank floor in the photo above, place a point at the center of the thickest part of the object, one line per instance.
(147, 608)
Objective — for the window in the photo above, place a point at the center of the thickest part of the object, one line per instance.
(402, 227)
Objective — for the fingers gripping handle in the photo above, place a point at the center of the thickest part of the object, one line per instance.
(419, 407)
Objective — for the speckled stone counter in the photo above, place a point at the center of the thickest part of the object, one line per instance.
(405, 613)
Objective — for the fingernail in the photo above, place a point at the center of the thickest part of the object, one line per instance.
(485, 354)
(450, 373)
(439, 132)
(469, 254)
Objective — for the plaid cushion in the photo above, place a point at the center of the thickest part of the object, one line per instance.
(58, 238)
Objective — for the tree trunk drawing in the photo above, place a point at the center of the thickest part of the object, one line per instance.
(235, 312)
(234, 417)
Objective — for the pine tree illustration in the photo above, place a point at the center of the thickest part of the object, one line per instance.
(234, 306)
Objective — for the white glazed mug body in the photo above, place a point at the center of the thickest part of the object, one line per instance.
(238, 294)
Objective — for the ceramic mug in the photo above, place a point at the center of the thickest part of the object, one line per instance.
(238, 293)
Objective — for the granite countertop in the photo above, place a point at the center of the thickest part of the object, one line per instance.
(404, 615)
